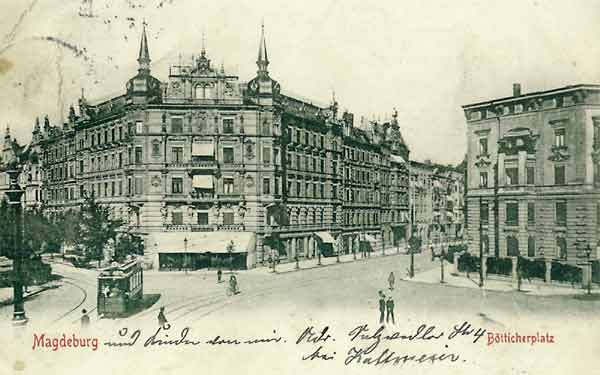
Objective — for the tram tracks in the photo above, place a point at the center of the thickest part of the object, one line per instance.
(83, 299)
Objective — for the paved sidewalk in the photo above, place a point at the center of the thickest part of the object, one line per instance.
(537, 288)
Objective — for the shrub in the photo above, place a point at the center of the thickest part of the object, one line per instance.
(499, 266)
(468, 263)
(566, 273)
(453, 249)
(532, 268)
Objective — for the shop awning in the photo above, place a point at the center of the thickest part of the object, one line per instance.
(202, 242)
(397, 159)
(325, 237)
(203, 149)
(202, 181)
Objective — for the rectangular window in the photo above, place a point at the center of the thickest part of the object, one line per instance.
(530, 175)
(138, 155)
(203, 218)
(561, 213)
(530, 213)
(559, 137)
(483, 179)
(512, 213)
(177, 125)
(559, 174)
(81, 166)
(177, 154)
(484, 213)
(139, 127)
(266, 186)
(155, 148)
(512, 176)
(483, 146)
(177, 218)
(228, 185)
(177, 185)
(276, 186)
(120, 187)
(266, 155)
(531, 247)
(228, 218)
(120, 160)
(139, 185)
(228, 125)
(276, 156)
(228, 155)
(113, 191)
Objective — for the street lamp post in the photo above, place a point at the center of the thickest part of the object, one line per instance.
(588, 252)
(14, 194)
(185, 260)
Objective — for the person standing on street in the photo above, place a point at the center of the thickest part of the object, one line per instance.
(390, 310)
(85, 319)
(162, 320)
(381, 307)
(391, 280)
(219, 274)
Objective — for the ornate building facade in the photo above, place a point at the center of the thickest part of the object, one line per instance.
(205, 165)
(534, 173)
(437, 201)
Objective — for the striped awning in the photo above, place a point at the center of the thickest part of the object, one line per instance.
(202, 181)
(203, 149)
(325, 237)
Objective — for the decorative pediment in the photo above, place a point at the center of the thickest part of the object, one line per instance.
(518, 139)
(559, 153)
(483, 161)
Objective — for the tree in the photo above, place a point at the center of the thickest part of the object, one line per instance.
(96, 228)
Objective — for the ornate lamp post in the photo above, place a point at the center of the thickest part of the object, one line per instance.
(14, 194)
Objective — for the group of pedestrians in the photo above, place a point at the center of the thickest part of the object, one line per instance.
(232, 289)
(386, 305)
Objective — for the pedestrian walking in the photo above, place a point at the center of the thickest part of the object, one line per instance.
(390, 310)
(85, 319)
(162, 320)
(381, 307)
(219, 275)
(391, 280)
(233, 284)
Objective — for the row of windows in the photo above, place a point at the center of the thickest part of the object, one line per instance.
(512, 176)
(512, 213)
(360, 155)
(308, 138)
(512, 246)
(559, 140)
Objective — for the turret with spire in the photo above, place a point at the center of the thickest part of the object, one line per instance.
(263, 60)
(143, 87)
(144, 55)
(263, 86)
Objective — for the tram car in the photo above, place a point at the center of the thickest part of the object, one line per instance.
(120, 289)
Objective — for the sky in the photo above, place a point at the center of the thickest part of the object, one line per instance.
(424, 58)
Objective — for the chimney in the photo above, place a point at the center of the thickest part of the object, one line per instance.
(516, 89)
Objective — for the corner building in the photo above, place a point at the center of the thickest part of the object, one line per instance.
(205, 166)
(533, 180)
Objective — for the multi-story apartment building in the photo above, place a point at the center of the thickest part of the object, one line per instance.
(534, 173)
(204, 165)
(436, 202)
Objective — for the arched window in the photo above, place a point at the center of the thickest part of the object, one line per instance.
(512, 246)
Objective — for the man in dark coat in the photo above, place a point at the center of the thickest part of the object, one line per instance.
(390, 309)
(381, 307)
(162, 320)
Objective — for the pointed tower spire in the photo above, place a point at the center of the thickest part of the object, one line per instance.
(36, 128)
(144, 55)
(203, 52)
(263, 59)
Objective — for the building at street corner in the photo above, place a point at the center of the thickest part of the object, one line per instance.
(534, 173)
(436, 202)
(204, 166)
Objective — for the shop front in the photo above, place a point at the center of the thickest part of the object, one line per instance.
(202, 250)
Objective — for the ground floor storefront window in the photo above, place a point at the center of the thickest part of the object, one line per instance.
(196, 261)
